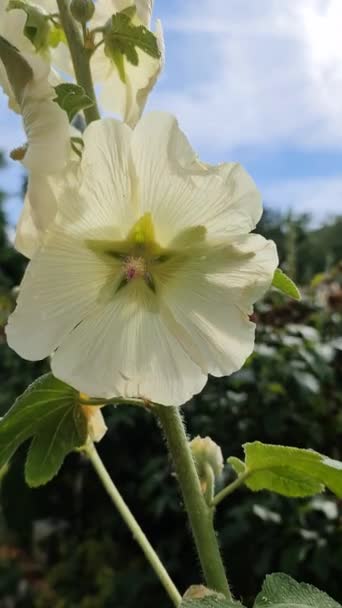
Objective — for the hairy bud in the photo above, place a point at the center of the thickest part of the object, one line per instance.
(209, 463)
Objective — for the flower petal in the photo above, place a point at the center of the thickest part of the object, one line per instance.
(103, 198)
(142, 358)
(44, 193)
(27, 237)
(210, 300)
(61, 286)
(180, 192)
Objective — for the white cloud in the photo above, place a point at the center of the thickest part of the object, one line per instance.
(259, 72)
(321, 196)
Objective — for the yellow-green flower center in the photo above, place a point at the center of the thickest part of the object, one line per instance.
(139, 257)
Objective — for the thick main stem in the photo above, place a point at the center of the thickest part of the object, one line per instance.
(133, 525)
(80, 58)
(200, 514)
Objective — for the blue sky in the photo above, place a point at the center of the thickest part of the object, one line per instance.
(259, 82)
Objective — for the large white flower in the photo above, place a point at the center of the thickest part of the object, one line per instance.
(145, 282)
(126, 98)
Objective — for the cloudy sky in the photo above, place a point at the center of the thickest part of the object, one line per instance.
(258, 81)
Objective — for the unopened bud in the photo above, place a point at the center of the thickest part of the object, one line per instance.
(96, 425)
(82, 10)
(208, 460)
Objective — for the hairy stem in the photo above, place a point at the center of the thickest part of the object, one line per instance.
(132, 523)
(199, 513)
(80, 58)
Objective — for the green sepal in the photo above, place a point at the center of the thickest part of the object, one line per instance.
(282, 591)
(56, 36)
(288, 471)
(282, 282)
(72, 99)
(37, 26)
(122, 38)
(19, 72)
(49, 413)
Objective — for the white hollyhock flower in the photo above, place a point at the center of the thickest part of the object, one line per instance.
(127, 98)
(145, 282)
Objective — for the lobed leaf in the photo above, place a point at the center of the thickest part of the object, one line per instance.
(288, 471)
(49, 413)
(282, 282)
(123, 39)
(72, 99)
(282, 591)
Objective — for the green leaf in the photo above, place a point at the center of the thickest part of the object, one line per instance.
(19, 72)
(201, 597)
(281, 591)
(72, 99)
(49, 413)
(122, 38)
(288, 471)
(282, 282)
(56, 36)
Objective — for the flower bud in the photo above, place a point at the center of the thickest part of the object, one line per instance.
(209, 462)
(97, 427)
(82, 10)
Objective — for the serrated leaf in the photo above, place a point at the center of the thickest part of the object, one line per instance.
(282, 282)
(72, 99)
(282, 591)
(123, 38)
(49, 413)
(289, 471)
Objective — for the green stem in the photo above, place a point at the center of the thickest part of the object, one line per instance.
(80, 58)
(230, 489)
(132, 523)
(200, 514)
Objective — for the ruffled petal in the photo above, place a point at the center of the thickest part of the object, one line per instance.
(181, 193)
(211, 298)
(102, 201)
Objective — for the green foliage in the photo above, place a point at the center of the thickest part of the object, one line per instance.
(282, 282)
(288, 471)
(303, 251)
(72, 99)
(281, 591)
(122, 38)
(49, 413)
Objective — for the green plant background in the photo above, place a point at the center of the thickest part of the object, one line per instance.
(63, 546)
